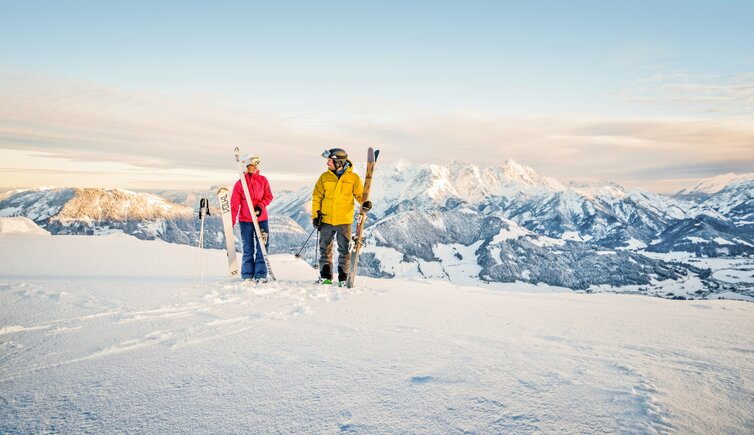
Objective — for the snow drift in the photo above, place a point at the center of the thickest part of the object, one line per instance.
(20, 225)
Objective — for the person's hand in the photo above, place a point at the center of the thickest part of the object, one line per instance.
(317, 221)
(366, 206)
(257, 210)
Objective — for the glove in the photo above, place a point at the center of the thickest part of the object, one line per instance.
(366, 206)
(317, 221)
(257, 210)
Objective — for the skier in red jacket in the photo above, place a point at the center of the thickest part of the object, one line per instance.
(253, 266)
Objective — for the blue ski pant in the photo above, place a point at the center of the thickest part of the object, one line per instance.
(252, 262)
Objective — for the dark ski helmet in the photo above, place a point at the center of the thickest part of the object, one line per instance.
(338, 155)
(335, 154)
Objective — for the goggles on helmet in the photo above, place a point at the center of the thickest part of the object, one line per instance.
(250, 160)
(335, 154)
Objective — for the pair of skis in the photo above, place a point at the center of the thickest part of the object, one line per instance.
(223, 196)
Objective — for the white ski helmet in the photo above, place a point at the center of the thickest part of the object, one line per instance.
(250, 160)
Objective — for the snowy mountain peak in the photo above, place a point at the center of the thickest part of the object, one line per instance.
(512, 174)
(604, 191)
(119, 204)
(736, 201)
(515, 169)
(89, 204)
(599, 190)
(401, 164)
(713, 185)
(460, 166)
(402, 181)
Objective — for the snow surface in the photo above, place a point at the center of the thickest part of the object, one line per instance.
(633, 245)
(20, 225)
(107, 334)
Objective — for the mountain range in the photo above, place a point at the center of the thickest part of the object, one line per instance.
(460, 222)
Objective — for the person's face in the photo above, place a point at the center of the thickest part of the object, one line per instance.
(251, 168)
(331, 164)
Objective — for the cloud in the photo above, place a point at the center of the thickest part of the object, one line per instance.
(89, 123)
(694, 92)
(152, 140)
(633, 152)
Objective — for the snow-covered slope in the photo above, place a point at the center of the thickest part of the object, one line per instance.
(439, 244)
(143, 215)
(710, 186)
(20, 225)
(38, 205)
(604, 214)
(87, 205)
(735, 201)
(108, 335)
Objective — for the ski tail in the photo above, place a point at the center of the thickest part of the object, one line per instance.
(223, 197)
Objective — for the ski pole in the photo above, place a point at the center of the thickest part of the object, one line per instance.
(298, 254)
(203, 211)
(316, 253)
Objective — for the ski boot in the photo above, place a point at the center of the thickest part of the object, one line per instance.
(325, 275)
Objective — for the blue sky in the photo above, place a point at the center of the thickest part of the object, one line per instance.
(650, 94)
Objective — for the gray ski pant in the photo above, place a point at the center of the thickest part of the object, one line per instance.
(342, 233)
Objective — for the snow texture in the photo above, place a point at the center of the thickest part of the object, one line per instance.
(108, 335)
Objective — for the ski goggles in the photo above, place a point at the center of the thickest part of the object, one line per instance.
(332, 154)
(250, 160)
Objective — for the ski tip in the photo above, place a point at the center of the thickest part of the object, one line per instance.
(376, 154)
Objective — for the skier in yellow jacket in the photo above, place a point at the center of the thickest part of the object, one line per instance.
(332, 212)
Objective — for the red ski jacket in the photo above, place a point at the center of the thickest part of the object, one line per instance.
(261, 195)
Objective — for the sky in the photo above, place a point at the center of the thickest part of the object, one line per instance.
(156, 94)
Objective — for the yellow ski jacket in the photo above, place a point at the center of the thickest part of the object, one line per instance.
(334, 196)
